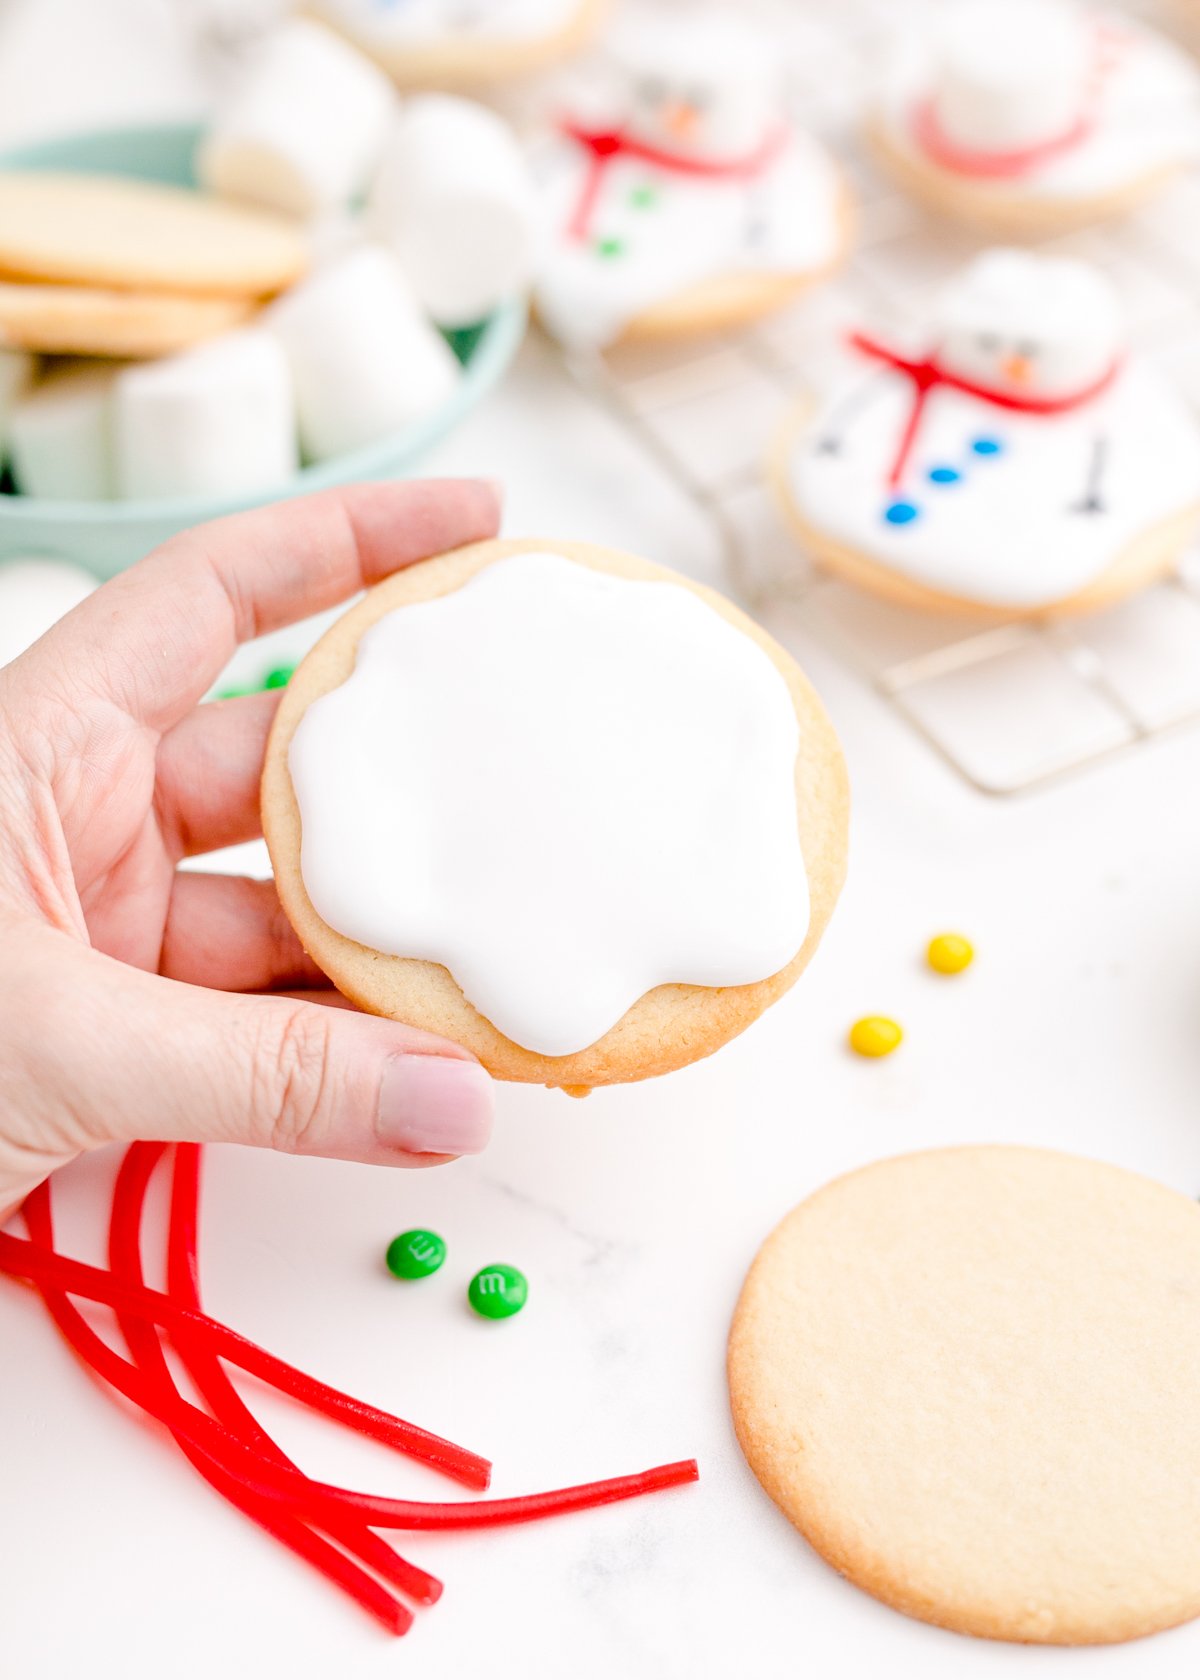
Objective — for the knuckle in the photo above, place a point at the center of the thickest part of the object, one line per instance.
(292, 1074)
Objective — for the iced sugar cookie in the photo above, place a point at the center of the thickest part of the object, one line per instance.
(463, 43)
(970, 1376)
(681, 199)
(557, 804)
(95, 321)
(1029, 116)
(111, 231)
(1016, 460)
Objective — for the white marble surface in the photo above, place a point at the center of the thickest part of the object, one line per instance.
(634, 1215)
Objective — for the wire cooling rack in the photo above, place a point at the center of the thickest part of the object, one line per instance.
(1012, 707)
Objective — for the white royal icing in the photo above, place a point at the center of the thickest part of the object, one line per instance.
(1146, 116)
(423, 23)
(565, 786)
(654, 232)
(1014, 528)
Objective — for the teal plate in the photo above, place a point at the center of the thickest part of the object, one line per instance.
(106, 536)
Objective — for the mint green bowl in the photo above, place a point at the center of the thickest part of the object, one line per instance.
(106, 536)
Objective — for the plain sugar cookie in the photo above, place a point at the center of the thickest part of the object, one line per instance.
(110, 231)
(92, 321)
(1017, 459)
(971, 1379)
(558, 804)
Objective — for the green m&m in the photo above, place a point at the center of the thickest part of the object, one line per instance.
(498, 1291)
(415, 1254)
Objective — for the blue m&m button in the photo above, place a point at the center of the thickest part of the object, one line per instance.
(900, 513)
(944, 475)
(986, 445)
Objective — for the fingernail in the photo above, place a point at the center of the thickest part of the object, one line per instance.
(434, 1105)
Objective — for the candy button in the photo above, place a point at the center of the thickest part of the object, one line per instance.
(986, 445)
(875, 1035)
(609, 247)
(498, 1291)
(280, 677)
(900, 513)
(643, 198)
(415, 1254)
(944, 475)
(950, 953)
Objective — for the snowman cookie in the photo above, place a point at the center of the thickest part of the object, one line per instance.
(463, 43)
(1032, 116)
(1017, 461)
(475, 830)
(677, 198)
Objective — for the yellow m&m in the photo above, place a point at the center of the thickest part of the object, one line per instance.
(875, 1035)
(949, 953)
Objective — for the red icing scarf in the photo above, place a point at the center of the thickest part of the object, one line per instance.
(999, 166)
(926, 374)
(605, 145)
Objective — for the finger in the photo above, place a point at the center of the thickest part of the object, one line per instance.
(230, 932)
(217, 1067)
(154, 639)
(209, 766)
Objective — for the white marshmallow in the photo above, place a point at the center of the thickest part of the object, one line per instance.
(34, 594)
(218, 420)
(365, 361)
(306, 127)
(454, 196)
(61, 434)
(16, 375)
(1011, 73)
(701, 83)
(1030, 325)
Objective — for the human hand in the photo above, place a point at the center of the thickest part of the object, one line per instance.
(127, 986)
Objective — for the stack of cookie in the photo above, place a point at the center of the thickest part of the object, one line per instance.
(205, 343)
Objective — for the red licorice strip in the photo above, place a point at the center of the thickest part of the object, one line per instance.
(454, 1461)
(43, 1265)
(210, 1377)
(331, 1563)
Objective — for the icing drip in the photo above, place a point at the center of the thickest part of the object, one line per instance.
(567, 787)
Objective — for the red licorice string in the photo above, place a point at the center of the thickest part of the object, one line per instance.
(454, 1461)
(603, 146)
(40, 1264)
(331, 1563)
(926, 373)
(210, 1377)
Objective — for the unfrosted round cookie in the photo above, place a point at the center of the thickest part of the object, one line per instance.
(111, 231)
(445, 44)
(970, 1377)
(1015, 460)
(94, 321)
(537, 943)
(1030, 117)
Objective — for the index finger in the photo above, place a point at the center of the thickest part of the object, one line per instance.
(155, 639)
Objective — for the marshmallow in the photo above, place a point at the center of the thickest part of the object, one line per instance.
(454, 196)
(61, 434)
(34, 594)
(16, 375)
(307, 126)
(700, 84)
(365, 361)
(215, 421)
(1011, 73)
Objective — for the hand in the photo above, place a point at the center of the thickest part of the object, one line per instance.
(128, 1004)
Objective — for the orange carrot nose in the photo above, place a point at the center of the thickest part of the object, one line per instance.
(679, 119)
(1017, 369)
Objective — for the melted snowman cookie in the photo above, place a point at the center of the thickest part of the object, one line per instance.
(457, 43)
(558, 805)
(1019, 460)
(681, 200)
(1035, 115)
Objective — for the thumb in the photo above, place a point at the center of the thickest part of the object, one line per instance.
(114, 1053)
